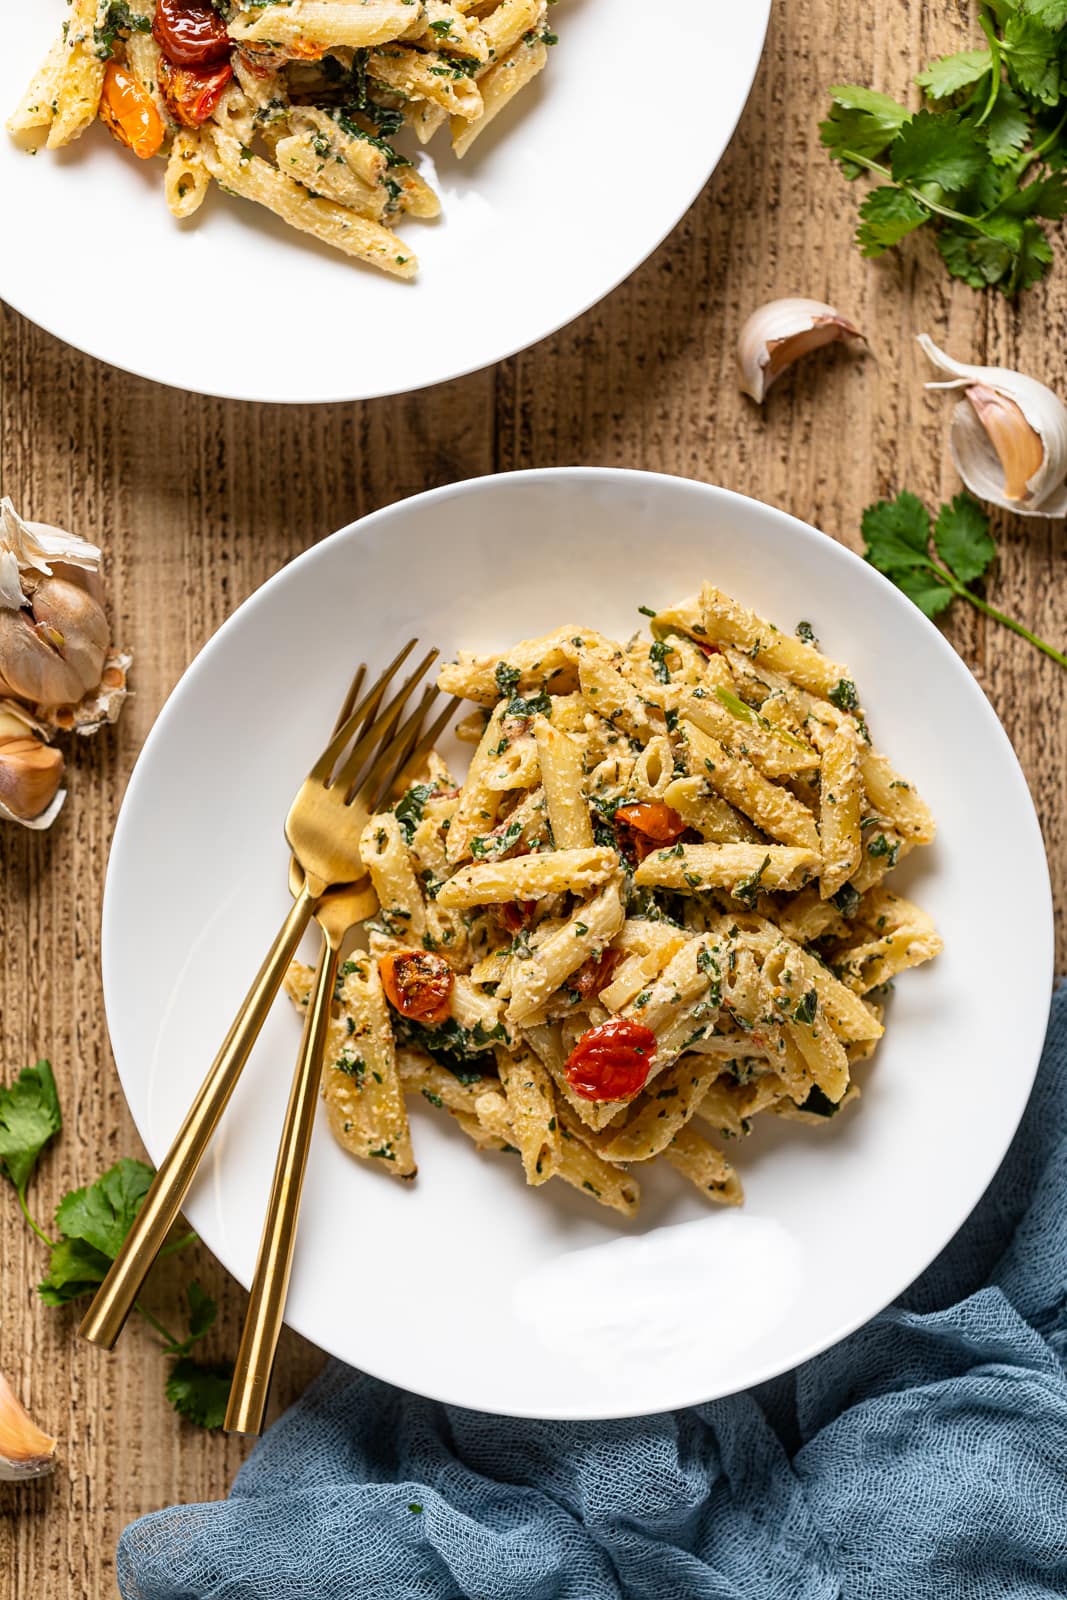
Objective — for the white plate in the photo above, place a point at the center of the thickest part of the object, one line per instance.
(469, 1287)
(573, 187)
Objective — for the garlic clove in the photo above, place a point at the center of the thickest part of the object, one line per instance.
(30, 775)
(779, 333)
(1018, 446)
(25, 1452)
(1008, 437)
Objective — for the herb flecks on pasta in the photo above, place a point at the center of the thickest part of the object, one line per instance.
(655, 908)
(293, 104)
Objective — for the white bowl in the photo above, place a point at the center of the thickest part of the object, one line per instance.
(469, 1287)
(569, 191)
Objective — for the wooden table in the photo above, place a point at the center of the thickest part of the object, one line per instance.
(198, 501)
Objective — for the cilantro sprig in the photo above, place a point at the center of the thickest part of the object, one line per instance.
(898, 536)
(90, 1226)
(981, 162)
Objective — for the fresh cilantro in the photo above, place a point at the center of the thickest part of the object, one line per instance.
(103, 1213)
(972, 163)
(948, 75)
(74, 1269)
(29, 1117)
(92, 1223)
(409, 809)
(898, 536)
(200, 1390)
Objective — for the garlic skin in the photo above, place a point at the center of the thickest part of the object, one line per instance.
(25, 1452)
(37, 547)
(779, 333)
(31, 770)
(1008, 436)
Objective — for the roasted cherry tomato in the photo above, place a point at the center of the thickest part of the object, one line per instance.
(418, 984)
(516, 915)
(129, 111)
(192, 93)
(647, 825)
(597, 973)
(611, 1062)
(190, 33)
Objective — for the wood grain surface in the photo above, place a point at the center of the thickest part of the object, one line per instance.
(198, 501)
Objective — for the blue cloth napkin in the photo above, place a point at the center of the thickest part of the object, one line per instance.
(925, 1456)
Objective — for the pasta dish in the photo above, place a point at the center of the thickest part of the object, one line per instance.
(655, 907)
(293, 104)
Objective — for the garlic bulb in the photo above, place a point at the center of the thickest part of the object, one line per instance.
(25, 1452)
(54, 635)
(30, 770)
(1008, 436)
(778, 333)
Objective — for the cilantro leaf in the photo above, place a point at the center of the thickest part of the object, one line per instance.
(898, 537)
(897, 533)
(978, 261)
(103, 1212)
(887, 216)
(962, 538)
(29, 1117)
(939, 149)
(1053, 13)
(1032, 49)
(1007, 127)
(930, 593)
(1034, 257)
(950, 74)
(199, 1390)
(74, 1269)
(202, 1314)
(861, 121)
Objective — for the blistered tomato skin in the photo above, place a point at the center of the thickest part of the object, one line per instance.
(128, 111)
(192, 93)
(647, 825)
(418, 985)
(190, 33)
(612, 1061)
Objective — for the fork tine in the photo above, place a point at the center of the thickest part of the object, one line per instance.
(375, 786)
(349, 774)
(350, 698)
(366, 709)
(415, 757)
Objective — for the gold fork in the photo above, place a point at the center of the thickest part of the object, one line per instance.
(338, 913)
(323, 829)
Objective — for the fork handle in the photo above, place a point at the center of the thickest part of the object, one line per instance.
(270, 1286)
(113, 1301)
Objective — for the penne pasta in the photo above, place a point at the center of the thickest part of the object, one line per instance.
(652, 911)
